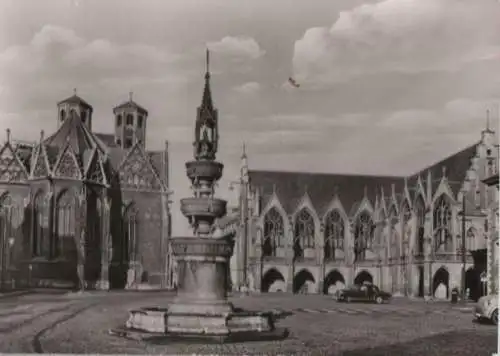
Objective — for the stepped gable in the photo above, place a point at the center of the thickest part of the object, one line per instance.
(74, 131)
(456, 169)
(321, 187)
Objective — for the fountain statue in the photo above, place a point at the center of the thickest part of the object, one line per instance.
(201, 308)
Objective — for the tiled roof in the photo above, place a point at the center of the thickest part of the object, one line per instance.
(291, 186)
(74, 131)
(131, 105)
(75, 99)
(456, 169)
(107, 139)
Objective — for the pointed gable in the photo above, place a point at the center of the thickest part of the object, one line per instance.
(138, 172)
(12, 168)
(67, 165)
(95, 171)
(41, 167)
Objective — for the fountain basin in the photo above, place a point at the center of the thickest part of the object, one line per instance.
(204, 170)
(203, 207)
(237, 325)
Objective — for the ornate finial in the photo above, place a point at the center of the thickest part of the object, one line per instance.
(306, 189)
(74, 91)
(42, 134)
(130, 94)
(488, 120)
(366, 191)
(443, 170)
(393, 189)
(8, 135)
(336, 190)
(406, 182)
(274, 188)
(244, 153)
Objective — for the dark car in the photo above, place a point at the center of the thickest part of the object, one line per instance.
(363, 293)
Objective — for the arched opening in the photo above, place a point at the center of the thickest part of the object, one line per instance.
(473, 283)
(441, 284)
(442, 225)
(363, 235)
(62, 115)
(362, 277)
(273, 281)
(273, 232)
(303, 233)
(83, 116)
(119, 120)
(334, 281)
(303, 282)
(334, 235)
(130, 119)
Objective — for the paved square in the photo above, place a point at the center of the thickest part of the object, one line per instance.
(318, 326)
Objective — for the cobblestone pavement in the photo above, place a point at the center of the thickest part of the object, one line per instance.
(318, 326)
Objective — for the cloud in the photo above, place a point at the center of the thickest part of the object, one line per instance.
(248, 88)
(407, 36)
(59, 59)
(238, 48)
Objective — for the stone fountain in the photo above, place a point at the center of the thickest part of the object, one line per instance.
(201, 310)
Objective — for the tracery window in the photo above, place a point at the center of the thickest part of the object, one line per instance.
(363, 235)
(442, 225)
(130, 222)
(406, 217)
(38, 226)
(420, 216)
(65, 223)
(273, 232)
(334, 234)
(304, 229)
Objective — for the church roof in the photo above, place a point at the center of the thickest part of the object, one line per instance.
(75, 99)
(74, 131)
(290, 187)
(131, 105)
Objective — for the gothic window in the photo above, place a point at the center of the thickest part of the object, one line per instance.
(65, 223)
(420, 215)
(130, 119)
(363, 235)
(334, 234)
(139, 121)
(406, 217)
(442, 224)
(274, 232)
(304, 229)
(84, 116)
(62, 116)
(130, 223)
(119, 120)
(38, 225)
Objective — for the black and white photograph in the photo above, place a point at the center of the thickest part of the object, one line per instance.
(222, 177)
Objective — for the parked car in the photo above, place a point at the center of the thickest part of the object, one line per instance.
(487, 308)
(363, 293)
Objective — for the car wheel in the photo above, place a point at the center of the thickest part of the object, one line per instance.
(494, 317)
(379, 300)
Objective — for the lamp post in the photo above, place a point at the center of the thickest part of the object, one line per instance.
(11, 242)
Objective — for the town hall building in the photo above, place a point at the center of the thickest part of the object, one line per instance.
(316, 233)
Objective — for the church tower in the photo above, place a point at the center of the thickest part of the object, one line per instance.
(74, 104)
(130, 124)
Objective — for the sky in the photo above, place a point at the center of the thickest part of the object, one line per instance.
(386, 87)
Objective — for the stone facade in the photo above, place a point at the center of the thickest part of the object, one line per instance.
(314, 233)
(79, 205)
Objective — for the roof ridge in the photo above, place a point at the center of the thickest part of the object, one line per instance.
(327, 174)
